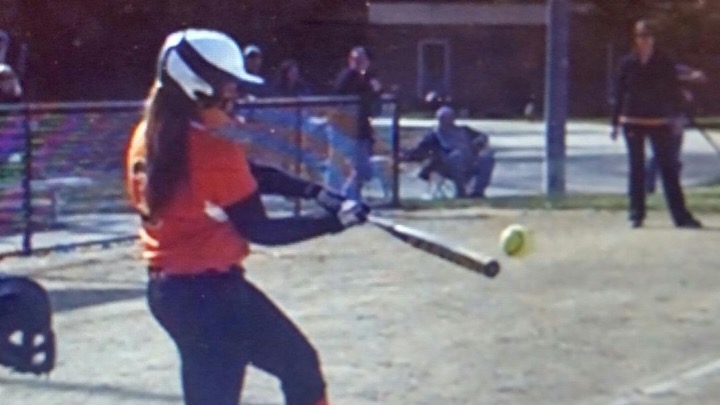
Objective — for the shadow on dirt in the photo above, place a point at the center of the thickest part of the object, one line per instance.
(92, 389)
(76, 298)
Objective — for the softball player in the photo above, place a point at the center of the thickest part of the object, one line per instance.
(200, 205)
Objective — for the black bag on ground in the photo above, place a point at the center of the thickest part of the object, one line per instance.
(27, 341)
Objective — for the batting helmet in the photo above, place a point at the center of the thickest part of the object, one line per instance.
(27, 342)
(199, 61)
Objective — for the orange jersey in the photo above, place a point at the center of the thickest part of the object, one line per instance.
(192, 233)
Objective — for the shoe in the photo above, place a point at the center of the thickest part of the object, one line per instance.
(636, 223)
(690, 223)
(476, 195)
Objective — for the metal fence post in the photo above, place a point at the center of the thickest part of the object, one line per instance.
(395, 137)
(298, 153)
(27, 206)
(556, 96)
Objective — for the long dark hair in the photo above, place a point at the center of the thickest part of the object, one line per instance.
(167, 115)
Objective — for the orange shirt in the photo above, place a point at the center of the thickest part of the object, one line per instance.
(192, 233)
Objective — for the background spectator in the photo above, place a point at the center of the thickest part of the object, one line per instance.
(253, 64)
(456, 152)
(288, 81)
(647, 103)
(357, 79)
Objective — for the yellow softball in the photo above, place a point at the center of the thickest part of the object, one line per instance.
(516, 241)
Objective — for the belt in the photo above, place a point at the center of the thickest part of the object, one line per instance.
(158, 273)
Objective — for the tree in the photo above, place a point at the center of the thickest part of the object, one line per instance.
(683, 23)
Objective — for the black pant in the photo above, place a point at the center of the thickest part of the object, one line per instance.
(651, 168)
(220, 323)
(664, 152)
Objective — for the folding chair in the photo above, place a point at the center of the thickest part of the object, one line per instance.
(382, 172)
(440, 187)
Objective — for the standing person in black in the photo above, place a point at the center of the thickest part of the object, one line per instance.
(647, 100)
(357, 79)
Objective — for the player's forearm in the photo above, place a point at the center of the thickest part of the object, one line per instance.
(285, 231)
(618, 97)
(273, 181)
(248, 217)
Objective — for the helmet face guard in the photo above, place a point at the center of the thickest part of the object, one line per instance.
(200, 61)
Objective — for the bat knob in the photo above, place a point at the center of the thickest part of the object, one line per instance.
(491, 269)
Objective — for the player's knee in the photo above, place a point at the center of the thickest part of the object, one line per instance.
(303, 382)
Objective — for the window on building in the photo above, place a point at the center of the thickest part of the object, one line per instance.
(433, 67)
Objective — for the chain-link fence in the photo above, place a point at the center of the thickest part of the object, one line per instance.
(61, 165)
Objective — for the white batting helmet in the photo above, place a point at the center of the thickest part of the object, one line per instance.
(198, 61)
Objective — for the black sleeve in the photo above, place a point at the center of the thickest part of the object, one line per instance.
(250, 220)
(274, 181)
(478, 139)
(472, 132)
(673, 87)
(424, 149)
(619, 89)
(345, 82)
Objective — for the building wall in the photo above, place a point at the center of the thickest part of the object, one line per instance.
(590, 68)
(454, 13)
(494, 70)
(496, 52)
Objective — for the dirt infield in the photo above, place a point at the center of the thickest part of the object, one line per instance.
(600, 314)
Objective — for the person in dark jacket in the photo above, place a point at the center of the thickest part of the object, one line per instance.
(688, 76)
(357, 78)
(647, 100)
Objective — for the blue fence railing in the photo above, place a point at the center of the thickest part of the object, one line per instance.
(61, 164)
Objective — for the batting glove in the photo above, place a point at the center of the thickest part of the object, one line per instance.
(352, 213)
(329, 200)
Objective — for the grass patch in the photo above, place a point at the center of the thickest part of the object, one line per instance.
(418, 114)
(711, 123)
(699, 199)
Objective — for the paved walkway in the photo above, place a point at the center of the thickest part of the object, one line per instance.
(594, 163)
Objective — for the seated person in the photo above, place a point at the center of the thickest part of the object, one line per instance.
(456, 152)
